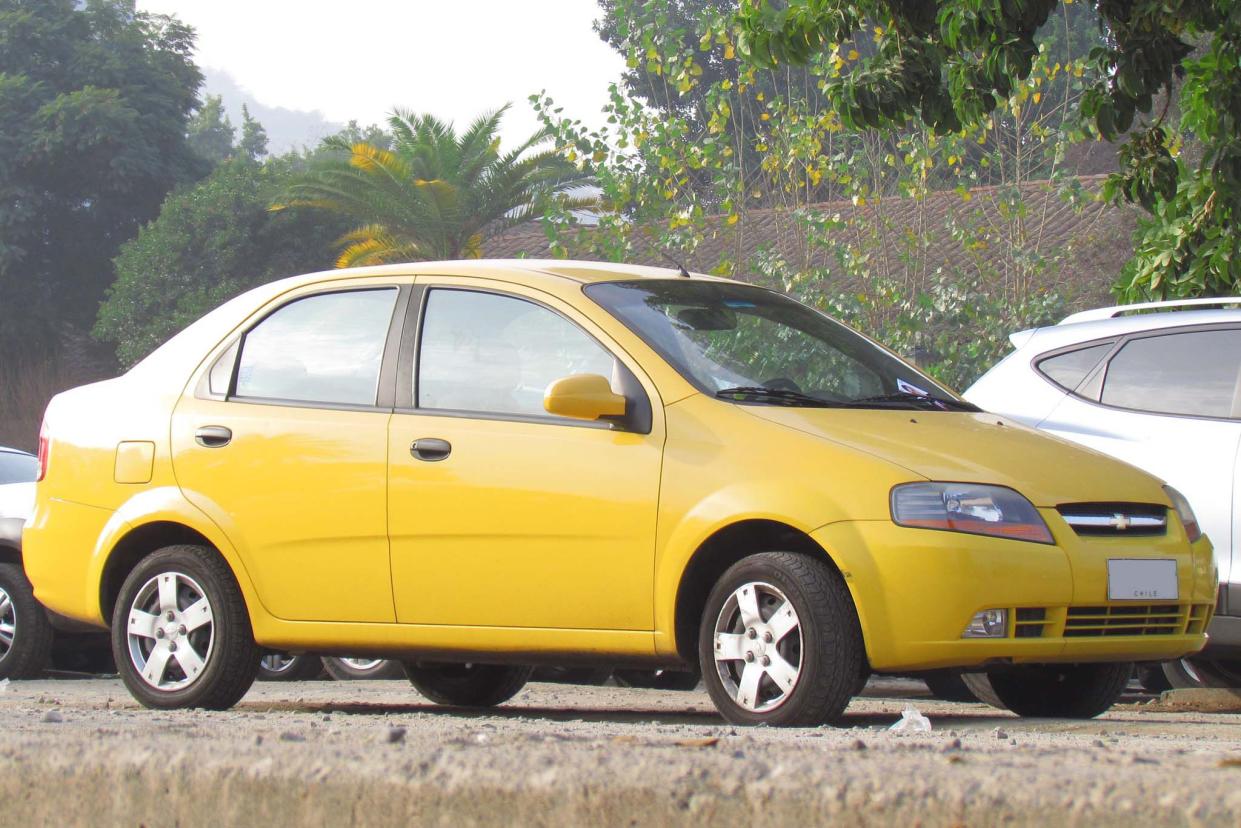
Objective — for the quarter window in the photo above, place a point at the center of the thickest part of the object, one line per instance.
(321, 349)
(1193, 373)
(497, 354)
(1069, 369)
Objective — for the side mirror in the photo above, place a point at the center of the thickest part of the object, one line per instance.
(583, 397)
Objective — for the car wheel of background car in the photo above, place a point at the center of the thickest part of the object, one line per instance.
(948, 685)
(25, 633)
(1152, 678)
(1061, 691)
(658, 679)
(467, 685)
(1188, 673)
(362, 669)
(573, 675)
(779, 642)
(275, 666)
(180, 632)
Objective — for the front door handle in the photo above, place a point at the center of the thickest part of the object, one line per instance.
(430, 449)
(213, 436)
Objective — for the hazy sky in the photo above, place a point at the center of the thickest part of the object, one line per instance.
(357, 60)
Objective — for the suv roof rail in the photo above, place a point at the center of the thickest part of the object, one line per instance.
(1121, 310)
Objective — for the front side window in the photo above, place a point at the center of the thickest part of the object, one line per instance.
(323, 349)
(497, 354)
(748, 344)
(1196, 373)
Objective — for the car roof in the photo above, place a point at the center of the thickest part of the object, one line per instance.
(1126, 319)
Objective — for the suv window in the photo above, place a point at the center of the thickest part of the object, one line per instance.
(1069, 369)
(17, 468)
(322, 349)
(497, 354)
(1193, 373)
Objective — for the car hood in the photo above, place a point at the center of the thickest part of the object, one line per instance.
(976, 448)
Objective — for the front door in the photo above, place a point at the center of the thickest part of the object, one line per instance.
(285, 447)
(499, 514)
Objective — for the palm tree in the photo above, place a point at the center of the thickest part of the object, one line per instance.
(434, 194)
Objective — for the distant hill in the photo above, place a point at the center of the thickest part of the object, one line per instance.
(287, 129)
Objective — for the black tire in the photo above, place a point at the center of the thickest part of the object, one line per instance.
(948, 685)
(274, 666)
(1053, 691)
(659, 679)
(1189, 673)
(467, 685)
(827, 653)
(28, 649)
(229, 662)
(352, 669)
(573, 675)
(1152, 678)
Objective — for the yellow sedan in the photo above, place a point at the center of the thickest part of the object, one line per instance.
(475, 467)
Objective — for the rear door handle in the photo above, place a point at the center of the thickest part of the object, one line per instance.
(430, 449)
(213, 436)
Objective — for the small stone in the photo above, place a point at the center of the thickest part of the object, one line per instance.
(858, 744)
(395, 735)
(1098, 743)
(290, 736)
(258, 740)
(999, 734)
(955, 744)
(1012, 741)
(53, 717)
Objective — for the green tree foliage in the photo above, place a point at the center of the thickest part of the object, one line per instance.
(211, 241)
(434, 194)
(951, 63)
(93, 111)
(210, 133)
(253, 143)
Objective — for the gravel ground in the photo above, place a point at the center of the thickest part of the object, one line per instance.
(329, 753)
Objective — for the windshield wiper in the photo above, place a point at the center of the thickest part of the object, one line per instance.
(776, 396)
(922, 400)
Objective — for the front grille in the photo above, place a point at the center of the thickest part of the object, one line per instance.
(1136, 619)
(1115, 519)
(1031, 622)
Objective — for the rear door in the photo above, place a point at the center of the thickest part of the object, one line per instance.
(284, 445)
(1169, 402)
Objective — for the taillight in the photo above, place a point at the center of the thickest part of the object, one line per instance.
(43, 446)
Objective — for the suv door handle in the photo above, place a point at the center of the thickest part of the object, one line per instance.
(213, 436)
(431, 449)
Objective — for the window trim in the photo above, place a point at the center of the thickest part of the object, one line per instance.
(638, 421)
(384, 392)
(1095, 380)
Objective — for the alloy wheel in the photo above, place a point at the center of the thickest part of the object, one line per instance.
(758, 647)
(8, 623)
(171, 631)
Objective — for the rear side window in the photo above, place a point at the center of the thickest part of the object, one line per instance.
(1069, 369)
(17, 468)
(1194, 373)
(321, 349)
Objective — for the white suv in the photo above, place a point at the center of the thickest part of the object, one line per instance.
(1159, 386)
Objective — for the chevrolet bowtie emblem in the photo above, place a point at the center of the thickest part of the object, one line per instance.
(1120, 522)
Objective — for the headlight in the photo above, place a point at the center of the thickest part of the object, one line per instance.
(969, 507)
(1186, 513)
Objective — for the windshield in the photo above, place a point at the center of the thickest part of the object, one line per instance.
(753, 345)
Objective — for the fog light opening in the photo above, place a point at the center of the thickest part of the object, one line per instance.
(992, 623)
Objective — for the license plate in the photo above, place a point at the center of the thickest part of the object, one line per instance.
(1141, 580)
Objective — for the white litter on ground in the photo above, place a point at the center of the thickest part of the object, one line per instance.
(911, 721)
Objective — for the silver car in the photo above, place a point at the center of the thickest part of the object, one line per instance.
(1159, 386)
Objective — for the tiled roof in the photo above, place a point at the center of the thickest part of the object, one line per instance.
(976, 231)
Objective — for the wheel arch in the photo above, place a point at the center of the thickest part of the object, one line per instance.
(135, 545)
(723, 548)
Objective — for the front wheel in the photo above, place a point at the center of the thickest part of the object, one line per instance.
(780, 642)
(1052, 691)
(467, 685)
(362, 669)
(180, 632)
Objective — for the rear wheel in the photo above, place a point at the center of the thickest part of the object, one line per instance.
(180, 632)
(780, 643)
(276, 666)
(25, 632)
(1188, 673)
(362, 669)
(467, 685)
(1059, 691)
